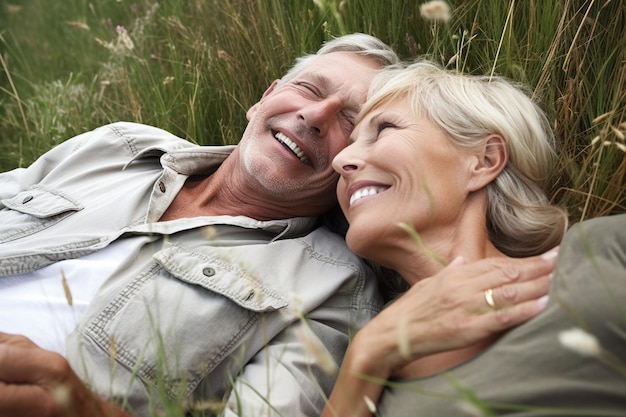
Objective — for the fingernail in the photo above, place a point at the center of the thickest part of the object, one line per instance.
(543, 301)
(551, 255)
(457, 261)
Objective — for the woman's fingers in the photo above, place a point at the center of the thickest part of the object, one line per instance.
(515, 281)
(496, 272)
(517, 314)
(500, 282)
(512, 294)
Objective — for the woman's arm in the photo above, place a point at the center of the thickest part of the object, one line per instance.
(445, 312)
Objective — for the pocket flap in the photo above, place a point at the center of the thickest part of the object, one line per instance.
(41, 203)
(217, 273)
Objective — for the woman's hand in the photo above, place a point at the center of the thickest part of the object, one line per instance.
(450, 310)
(39, 383)
(445, 312)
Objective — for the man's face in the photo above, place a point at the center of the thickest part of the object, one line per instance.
(297, 128)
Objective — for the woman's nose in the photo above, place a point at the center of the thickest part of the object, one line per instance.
(346, 162)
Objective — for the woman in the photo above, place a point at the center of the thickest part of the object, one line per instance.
(445, 168)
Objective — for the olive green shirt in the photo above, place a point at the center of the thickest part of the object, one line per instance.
(529, 372)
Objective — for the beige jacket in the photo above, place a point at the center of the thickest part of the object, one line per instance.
(209, 308)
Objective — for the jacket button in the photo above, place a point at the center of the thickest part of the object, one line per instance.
(27, 199)
(208, 271)
(162, 186)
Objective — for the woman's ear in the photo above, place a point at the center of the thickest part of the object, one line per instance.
(489, 162)
(255, 106)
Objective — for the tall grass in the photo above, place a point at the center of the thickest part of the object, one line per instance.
(194, 67)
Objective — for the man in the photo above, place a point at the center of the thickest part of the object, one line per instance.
(193, 273)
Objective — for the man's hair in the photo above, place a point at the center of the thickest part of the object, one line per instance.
(471, 108)
(357, 43)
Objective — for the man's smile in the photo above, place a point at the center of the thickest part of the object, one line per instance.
(293, 147)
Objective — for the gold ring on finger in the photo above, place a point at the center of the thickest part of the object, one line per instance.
(489, 298)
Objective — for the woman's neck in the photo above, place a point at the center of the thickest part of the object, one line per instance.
(426, 259)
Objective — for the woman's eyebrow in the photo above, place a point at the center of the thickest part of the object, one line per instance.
(372, 121)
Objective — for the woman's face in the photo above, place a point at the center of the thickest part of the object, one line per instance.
(400, 168)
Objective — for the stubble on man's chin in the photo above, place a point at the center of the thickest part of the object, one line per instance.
(262, 176)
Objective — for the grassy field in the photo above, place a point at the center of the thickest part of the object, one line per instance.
(194, 67)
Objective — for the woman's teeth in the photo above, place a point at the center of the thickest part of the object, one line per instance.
(365, 192)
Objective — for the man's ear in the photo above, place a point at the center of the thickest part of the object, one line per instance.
(489, 162)
(267, 92)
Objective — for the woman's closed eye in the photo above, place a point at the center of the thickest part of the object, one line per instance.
(384, 125)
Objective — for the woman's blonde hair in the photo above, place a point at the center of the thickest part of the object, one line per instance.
(470, 108)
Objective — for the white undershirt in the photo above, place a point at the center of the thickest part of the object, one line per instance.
(35, 304)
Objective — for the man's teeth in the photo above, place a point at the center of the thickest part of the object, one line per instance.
(365, 192)
(292, 145)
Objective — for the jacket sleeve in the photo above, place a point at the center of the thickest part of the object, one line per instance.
(121, 140)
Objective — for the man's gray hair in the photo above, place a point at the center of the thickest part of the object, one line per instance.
(357, 43)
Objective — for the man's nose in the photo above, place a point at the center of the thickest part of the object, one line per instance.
(320, 115)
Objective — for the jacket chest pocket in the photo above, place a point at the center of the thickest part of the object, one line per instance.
(33, 210)
(173, 325)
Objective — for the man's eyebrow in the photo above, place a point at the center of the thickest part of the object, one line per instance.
(325, 84)
(322, 81)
